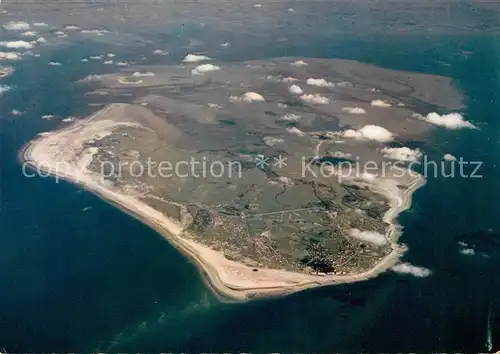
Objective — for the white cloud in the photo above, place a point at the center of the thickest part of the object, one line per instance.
(204, 68)
(257, 6)
(55, 63)
(407, 268)
(16, 26)
(108, 62)
(9, 56)
(111, 55)
(71, 28)
(225, 44)
(467, 251)
(369, 132)
(450, 121)
(122, 63)
(291, 117)
(299, 63)
(380, 103)
(402, 154)
(315, 98)
(6, 71)
(29, 34)
(29, 52)
(372, 237)
(16, 113)
(449, 157)
(139, 74)
(160, 52)
(96, 57)
(319, 82)
(40, 24)
(296, 90)
(84, 60)
(252, 96)
(214, 105)
(193, 58)
(353, 110)
(41, 40)
(248, 97)
(94, 31)
(4, 88)
(48, 116)
(296, 131)
(17, 44)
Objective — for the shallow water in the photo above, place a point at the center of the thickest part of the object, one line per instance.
(97, 279)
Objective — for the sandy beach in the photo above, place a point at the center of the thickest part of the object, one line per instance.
(228, 279)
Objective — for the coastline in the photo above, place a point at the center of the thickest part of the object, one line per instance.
(229, 280)
(403, 203)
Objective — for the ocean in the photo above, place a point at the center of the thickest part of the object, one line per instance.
(77, 274)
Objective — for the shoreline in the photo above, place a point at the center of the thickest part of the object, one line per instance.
(403, 204)
(228, 280)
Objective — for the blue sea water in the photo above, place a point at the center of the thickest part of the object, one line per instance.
(77, 274)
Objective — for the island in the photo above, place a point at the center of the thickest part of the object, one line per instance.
(272, 176)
